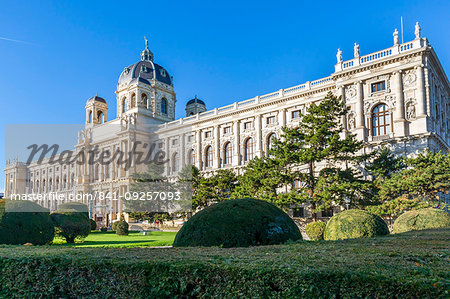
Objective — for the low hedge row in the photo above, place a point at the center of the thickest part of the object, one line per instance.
(411, 265)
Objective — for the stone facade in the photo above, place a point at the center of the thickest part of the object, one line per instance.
(397, 97)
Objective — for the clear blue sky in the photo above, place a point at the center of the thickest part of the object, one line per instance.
(222, 51)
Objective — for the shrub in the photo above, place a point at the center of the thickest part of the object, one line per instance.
(103, 229)
(411, 265)
(93, 224)
(236, 223)
(421, 219)
(315, 230)
(76, 206)
(71, 224)
(25, 222)
(121, 226)
(355, 224)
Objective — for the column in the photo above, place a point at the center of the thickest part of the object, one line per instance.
(182, 151)
(258, 135)
(168, 158)
(399, 113)
(237, 150)
(360, 123)
(421, 100)
(344, 118)
(198, 152)
(217, 146)
(282, 117)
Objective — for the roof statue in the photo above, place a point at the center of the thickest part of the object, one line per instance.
(417, 30)
(395, 34)
(339, 56)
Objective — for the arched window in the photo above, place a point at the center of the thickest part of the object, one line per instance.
(175, 163)
(144, 100)
(133, 100)
(191, 157)
(100, 117)
(248, 149)
(57, 183)
(124, 105)
(97, 173)
(72, 180)
(381, 120)
(90, 117)
(163, 106)
(227, 154)
(208, 156)
(270, 140)
(65, 182)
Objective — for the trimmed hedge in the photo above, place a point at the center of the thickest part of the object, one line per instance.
(32, 225)
(71, 224)
(238, 223)
(315, 230)
(74, 206)
(406, 265)
(355, 223)
(121, 227)
(421, 219)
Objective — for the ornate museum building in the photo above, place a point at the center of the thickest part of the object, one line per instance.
(398, 96)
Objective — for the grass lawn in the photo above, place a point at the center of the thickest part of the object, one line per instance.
(409, 265)
(110, 239)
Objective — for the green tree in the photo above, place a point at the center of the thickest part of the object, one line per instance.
(425, 176)
(320, 142)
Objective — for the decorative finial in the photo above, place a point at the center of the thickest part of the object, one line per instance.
(417, 30)
(356, 50)
(339, 56)
(146, 42)
(395, 35)
(146, 54)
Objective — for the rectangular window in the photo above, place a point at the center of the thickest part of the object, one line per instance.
(295, 114)
(174, 141)
(248, 125)
(190, 138)
(270, 120)
(298, 212)
(379, 86)
(226, 130)
(327, 213)
(208, 134)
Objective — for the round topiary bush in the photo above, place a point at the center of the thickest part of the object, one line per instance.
(71, 224)
(25, 222)
(238, 223)
(76, 206)
(315, 230)
(121, 227)
(355, 223)
(421, 219)
(93, 224)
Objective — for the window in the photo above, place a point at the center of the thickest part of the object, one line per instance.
(227, 154)
(163, 106)
(298, 212)
(270, 140)
(248, 125)
(208, 156)
(295, 114)
(192, 157)
(124, 105)
(133, 101)
(226, 130)
(174, 141)
(208, 134)
(327, 213)
(190, 138)
(379, 86)
(297, 184)
(144, 100)
(175, 162)
(248, 149)
(270, 120)
(381, 120)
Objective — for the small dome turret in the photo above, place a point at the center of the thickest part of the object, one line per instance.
(195, 106)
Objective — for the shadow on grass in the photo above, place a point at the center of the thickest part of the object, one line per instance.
(110, 239)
